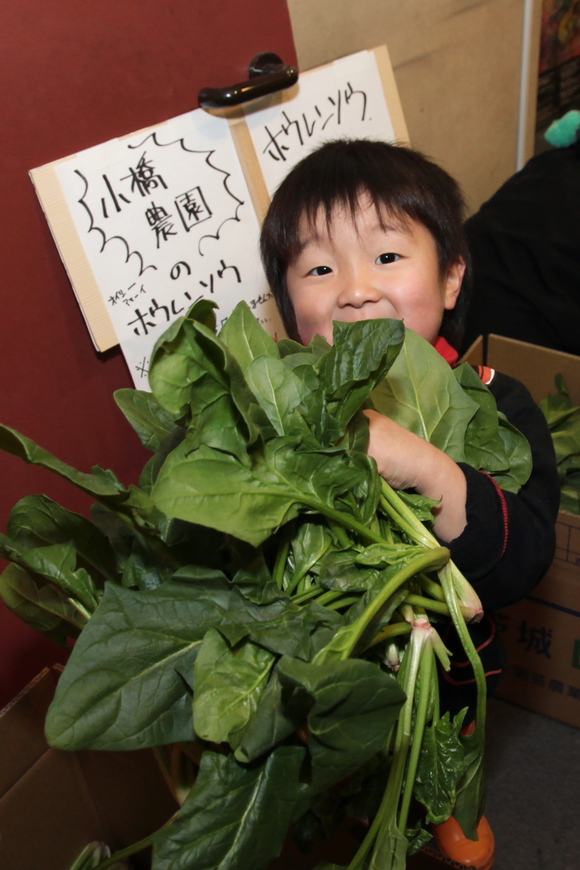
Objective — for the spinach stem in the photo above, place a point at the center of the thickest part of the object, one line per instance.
(388, 807)
(431, 559)
(294, 583)
(423, 693)
(126, 853)
(345, 520)
(340, 534)
(343, 602)
(394, 629)
(281, 559)
(429, 585)
(310, 593)
(394, 505)
(451, 596)
(329, 596)
(397, 510)
(428, 603)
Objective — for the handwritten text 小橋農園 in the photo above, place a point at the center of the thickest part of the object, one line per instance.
(165, 217)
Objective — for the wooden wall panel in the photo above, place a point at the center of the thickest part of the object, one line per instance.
(457, 64)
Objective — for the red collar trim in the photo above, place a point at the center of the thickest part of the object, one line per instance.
(448, 353)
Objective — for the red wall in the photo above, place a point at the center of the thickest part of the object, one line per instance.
(73, 75)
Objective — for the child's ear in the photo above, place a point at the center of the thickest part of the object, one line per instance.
(453, 283)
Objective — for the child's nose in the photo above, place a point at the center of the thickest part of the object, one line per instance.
(357, 290)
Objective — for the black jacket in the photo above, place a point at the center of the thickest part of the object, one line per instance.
(506, 547)
(509, 541)
(525, 251)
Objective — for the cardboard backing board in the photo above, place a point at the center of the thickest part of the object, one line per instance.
(541, 634)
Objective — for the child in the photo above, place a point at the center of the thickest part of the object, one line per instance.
(360, 230)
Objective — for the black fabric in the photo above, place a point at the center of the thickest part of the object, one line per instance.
(457, 687)
(499, 579)
(525, 249)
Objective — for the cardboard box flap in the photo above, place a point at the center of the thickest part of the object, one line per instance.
(48, 816)
(22, 740)
(53, 803)
(534, 366)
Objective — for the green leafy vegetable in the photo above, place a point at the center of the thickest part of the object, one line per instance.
(563, 417)
(263, 603)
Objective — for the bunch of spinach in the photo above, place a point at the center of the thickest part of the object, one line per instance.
(563, 417)
(257, 607)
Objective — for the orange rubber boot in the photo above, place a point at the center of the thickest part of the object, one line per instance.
(453, 844)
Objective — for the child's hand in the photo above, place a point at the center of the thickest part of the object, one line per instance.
(407, 461)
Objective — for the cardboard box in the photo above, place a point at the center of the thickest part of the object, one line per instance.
(542, 633)
(53, 803)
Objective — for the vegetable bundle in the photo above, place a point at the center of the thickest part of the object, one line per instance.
(261, 609)
(563, 417)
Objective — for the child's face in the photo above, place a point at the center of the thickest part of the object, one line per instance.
(362, 272)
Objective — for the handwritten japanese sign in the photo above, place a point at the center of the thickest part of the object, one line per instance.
(164, 217)
(147, 224)
(344, 99)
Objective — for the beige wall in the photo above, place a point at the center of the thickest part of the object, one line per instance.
(457, 64)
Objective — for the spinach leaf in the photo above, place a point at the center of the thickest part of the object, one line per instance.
(279, 391)
(350, 375)
(441, 765)
(563, 418)
(56, 563)
(237, 815)
(245, 338)
(215, 489)
(354, 706)
(127, 683)
(422, 395)
(256, 582)
(45, 607)
(37, 521)
(229, 681)
(149, 419)
(101, 484)
(191, 363)
(491, 442)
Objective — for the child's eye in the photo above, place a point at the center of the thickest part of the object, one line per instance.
(320, 270)
(387, 258)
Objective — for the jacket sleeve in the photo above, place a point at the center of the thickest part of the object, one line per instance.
(509, 541)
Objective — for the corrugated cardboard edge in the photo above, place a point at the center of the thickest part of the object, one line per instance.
(395, 107)
(25, 691)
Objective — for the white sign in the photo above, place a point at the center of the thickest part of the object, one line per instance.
(165, 218)
(344, 99)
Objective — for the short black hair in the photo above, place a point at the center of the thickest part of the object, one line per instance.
(401, 182)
